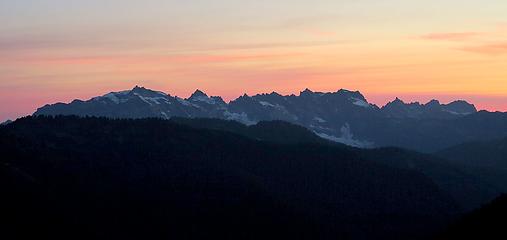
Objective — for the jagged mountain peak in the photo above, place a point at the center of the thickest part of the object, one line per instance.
(198, 93)
(397, 101)
(306, 92)
(400, 102)
(199, 97)
(346, 91)
(350, 94)
(460, 107)
(395, 105)
(272, 94)
(433, 102)
(137, 88)
(275, 94)
(140, 90)
(462, 103)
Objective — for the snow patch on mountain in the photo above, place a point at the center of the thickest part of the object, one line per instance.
(240, 117)
(163, 94)
(457, 113)
(346, 141)
(186, 103)
(143, 99)
(152, 100)
(346, 138)
(359, 102)
(204, 99)
(183, 101)
(165, 115)
(112, 97)
(320, 120)
(266, 104)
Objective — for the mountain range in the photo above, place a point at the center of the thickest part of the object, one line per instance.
(343, 116)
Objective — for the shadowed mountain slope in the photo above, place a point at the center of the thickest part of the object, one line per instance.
(99, 178)
(485, 223)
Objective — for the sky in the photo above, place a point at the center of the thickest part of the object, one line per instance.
(59, 50)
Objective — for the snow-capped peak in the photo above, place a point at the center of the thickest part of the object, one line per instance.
(200, 96)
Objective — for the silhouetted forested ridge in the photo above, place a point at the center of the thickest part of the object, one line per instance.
(485, 159)
(269, 131)
(69, 177)
(469, 188)
(486, 154)
(485, 223)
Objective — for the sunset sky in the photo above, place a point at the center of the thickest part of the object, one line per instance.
(58, 50)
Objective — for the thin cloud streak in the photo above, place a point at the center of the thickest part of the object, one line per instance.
(492, 49)
(153, 59)
(451, 36)
(31, 43)
(255, 46)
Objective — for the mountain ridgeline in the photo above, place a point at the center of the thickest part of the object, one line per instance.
(470, 187)
(97, 178)
(486, 160)
(479, 154)
(342, 116)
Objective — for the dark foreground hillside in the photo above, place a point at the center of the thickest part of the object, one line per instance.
(470, 187)
(485, 223)
(485, 159)
(92, 178)
(479, 154)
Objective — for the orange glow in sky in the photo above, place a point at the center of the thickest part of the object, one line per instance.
(385, 49)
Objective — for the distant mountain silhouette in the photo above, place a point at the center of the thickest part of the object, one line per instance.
(96, 178)
(433, 109)
(342, 116)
